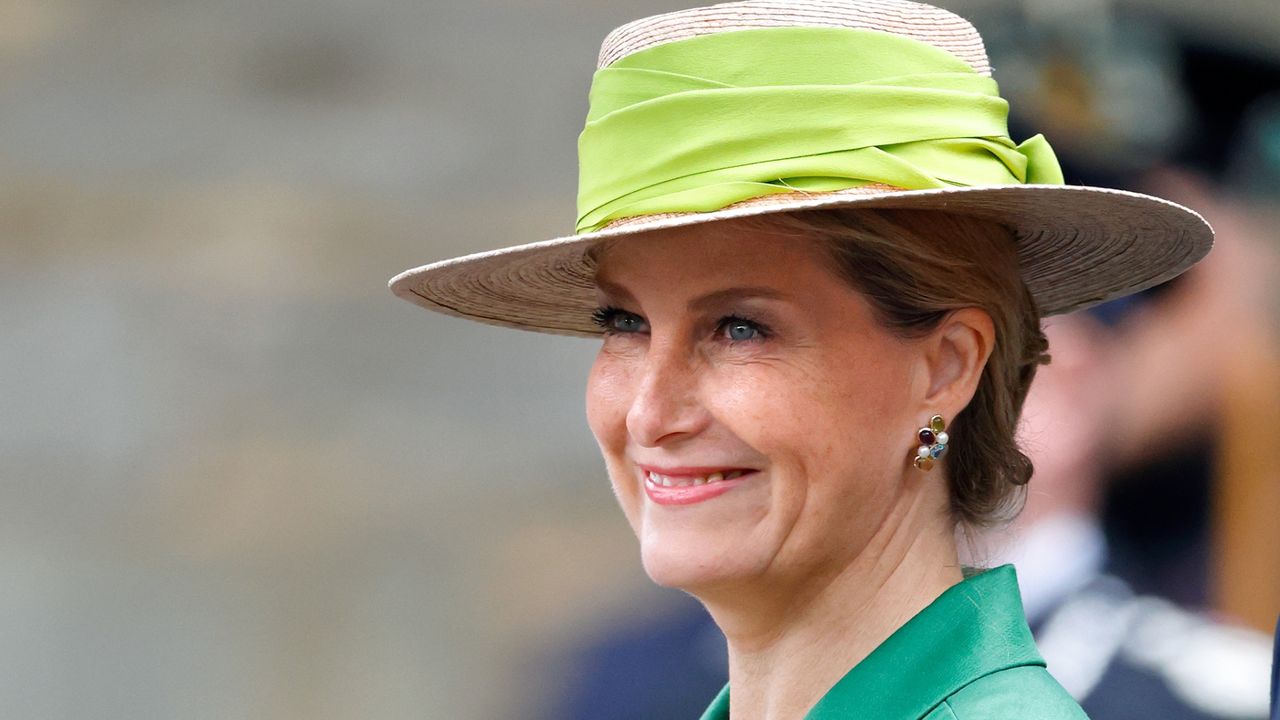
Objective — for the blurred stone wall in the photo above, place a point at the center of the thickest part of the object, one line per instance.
(238, 478)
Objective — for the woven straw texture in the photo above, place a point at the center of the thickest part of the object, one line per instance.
(935, 26)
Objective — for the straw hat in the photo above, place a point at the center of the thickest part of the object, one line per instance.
(681, 101)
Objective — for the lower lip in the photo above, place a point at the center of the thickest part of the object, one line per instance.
(690, 494)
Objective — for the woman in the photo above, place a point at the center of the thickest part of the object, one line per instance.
(817, 264)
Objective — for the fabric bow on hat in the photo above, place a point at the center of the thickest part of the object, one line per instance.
(697, 125)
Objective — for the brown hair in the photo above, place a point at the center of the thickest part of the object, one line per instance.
(915, 266)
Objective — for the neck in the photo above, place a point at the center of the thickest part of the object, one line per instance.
(790, 642)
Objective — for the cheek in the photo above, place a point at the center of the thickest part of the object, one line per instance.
(865, 409)
(870, 439)
(819, 406)
(607, 403)
(868, 394)
(830, 425)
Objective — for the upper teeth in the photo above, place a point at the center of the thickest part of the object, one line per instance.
(667, 481)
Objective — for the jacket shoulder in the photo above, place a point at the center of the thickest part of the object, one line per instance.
(1019, 693)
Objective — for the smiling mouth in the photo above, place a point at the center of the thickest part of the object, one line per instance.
(658, 480)
(692, 489)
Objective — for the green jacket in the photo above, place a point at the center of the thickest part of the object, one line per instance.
(967, 656)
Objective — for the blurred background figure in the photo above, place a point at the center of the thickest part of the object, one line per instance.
(239, 479)
(1122, 654)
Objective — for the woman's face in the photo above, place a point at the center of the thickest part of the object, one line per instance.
(739, 368)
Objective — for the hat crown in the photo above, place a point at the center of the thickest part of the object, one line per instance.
(932, 25)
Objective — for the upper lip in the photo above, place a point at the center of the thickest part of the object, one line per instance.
(689, 471)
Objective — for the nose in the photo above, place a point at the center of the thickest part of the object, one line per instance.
(665, 406)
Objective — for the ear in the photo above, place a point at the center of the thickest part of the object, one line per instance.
(954, 355)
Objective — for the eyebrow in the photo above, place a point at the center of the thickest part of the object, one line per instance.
(711, 299)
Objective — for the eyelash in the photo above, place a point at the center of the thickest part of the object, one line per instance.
(604, 317)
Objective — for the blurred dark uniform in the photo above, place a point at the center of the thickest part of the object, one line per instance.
(1126, 656)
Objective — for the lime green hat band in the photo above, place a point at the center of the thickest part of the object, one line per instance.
(698, 124)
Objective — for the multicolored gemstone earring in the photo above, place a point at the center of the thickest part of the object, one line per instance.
(933, 442)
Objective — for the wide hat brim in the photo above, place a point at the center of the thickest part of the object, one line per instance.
(1077, 246)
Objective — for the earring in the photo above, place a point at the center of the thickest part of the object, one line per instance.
(933, 442)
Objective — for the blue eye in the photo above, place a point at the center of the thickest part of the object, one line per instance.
(614, 320)
(738, 329)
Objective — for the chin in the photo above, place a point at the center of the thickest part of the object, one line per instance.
(692, 566)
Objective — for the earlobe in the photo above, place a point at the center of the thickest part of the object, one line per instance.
(957, 351)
